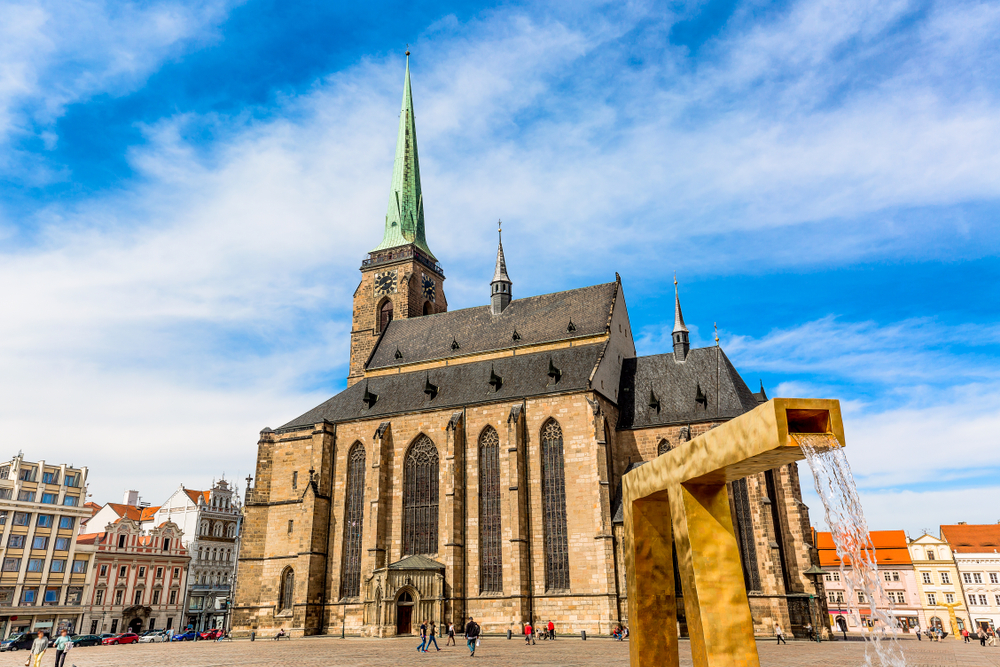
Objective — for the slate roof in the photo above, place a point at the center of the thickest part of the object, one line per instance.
(965, 539)
(675, 386)
(537, 319)
(416, 563)
(458, 385)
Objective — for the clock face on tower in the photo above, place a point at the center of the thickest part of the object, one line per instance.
(428, 286)
(385, 282)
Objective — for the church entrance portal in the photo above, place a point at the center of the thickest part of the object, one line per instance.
(404, 612)
(135, 625)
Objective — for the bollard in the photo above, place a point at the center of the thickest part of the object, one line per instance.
(508, 634)
(583, 635)
(252, 635)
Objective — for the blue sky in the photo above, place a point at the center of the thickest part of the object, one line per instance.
(187, 190)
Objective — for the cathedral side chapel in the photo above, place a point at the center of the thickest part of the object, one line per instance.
(473, 465)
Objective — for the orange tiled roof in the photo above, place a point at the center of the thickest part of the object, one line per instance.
(93, 507)
(126, 511)
(87, 538)
(193, 495)
(965, 539)
(148, 512)
(890, 548)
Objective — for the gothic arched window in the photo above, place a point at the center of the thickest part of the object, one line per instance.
(427, 307)
(217, 529)
(384, 315)
(420, 498)
(354, 508)
(490, 555)
(554, 508)
(663, 447)
(286, 593)
(204, 528)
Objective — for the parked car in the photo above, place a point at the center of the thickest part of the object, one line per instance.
(105, 635)
(21, 640)
(153, 636)
(186, 637)
(214, 633)
(124, 638)
(86, 640)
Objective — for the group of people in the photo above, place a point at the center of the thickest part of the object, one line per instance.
(531, 632)
(620, 633)
(38, 647)
(986, 636)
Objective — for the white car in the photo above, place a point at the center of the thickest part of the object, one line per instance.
(153, 636)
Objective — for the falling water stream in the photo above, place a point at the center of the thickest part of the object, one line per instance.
(836, 488)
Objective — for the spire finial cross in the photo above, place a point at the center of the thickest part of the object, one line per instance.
(675, 279)
(407, 50)
(716, 324)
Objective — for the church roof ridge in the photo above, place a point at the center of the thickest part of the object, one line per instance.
(404, 218)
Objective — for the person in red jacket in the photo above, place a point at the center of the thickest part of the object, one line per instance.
(552, 630)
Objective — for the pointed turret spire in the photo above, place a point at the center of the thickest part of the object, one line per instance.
(682, 344)
(500, 293)
(404, 220)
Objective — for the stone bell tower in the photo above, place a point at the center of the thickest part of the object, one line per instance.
(401, 277)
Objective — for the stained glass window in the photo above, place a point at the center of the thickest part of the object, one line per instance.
(420, 498)
(350, 579)
(554, 508)
(287, 589)
(490, 553)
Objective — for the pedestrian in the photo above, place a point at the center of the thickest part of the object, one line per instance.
(527, 633)
(431, 637)
(38, 650)
(451, 634)
(982, 636)
(779, 634)
(992, 637)
(809, 631)
(472, 636)
(63, 645)
(917, 628)
(552, 629)
(423, 636)
(965, 635)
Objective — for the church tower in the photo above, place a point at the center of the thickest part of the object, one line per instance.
(401, 276)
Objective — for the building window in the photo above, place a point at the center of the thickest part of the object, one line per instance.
(897, 597)
(121, 541)
(966, 577)
(22, 518)
(663, 447)
(62, 544)
(490, 550)
(138, 598)
(79, 567)
(295, 479)
(71, 480)
(28, 596)
(420, 498)
(291, 526)
(114, 625)
(930, 554)
(945, 578)
(41, 543)
(36, 564)
(57, 565)
(4, 472)
(142, 572)
(15, 542)
(50, 478)
(159, 573)
(861, 597)
(204, 528)
(177, 572)
(104, 570)
(122, 571)
(949, 597)
(156, 597)
(44, 521)
(745, 534)
(99, 597)
(173, 597)
(895, 576)
(71, 501)
(554, 508)
(927, 577)
(977, 578)
(997, 598)
(982, 600)
(384, 315)
(287, 589)
(835, 597)
(51, 596)
(118, 597)
(67, 522)
(50, 498)
(6, 596)
(26, 496)
(931, 599)
(11, 564)
(26, 474)
(6, 494)
(354, 509)
(166, 544)
(994, 578)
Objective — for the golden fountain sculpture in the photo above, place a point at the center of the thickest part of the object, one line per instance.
(681, 498)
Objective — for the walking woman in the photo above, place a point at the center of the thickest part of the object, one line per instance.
(451, 635)
(63, 645)
(38, 650)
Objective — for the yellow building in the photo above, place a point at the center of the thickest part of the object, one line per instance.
(938, 583)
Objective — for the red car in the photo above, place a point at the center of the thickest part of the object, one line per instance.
(127, 638)
(215, 633)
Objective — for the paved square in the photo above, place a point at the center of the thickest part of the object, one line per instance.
(495, 651)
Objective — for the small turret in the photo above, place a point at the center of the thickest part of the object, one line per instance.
(500, 294)
(682, 344)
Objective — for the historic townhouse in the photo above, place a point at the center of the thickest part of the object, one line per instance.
(473, 464)
(938, 581)
(43, 575)
(138, 580)
(898, 580)
(978, 561)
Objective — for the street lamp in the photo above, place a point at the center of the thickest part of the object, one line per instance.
(814, 572)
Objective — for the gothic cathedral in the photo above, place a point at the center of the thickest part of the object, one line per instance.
(473, 464)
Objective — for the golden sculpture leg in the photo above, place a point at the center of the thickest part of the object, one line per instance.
(687, 487)
(655, 632)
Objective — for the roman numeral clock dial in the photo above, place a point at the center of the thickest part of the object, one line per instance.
(385, 282)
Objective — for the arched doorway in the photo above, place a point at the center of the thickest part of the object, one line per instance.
(404, 613)
(135, 625)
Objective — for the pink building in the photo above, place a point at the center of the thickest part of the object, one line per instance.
(898, 579)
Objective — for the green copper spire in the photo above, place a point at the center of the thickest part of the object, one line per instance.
(404, 221)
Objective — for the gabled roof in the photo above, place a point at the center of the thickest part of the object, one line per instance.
(966, 539)
(675, 388)
(536, 319)
(93, 507)
(194, 495)
(87, 538)
(890, 549)
(416, 563)
(456, 386)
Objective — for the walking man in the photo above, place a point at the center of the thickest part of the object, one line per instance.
(451, 634)
(917, 628)
(63, 645)
(965, 635)
(779, 634)
(423, 636)
(431, 637)
(552, 629)
(527, 633)
(472, 636)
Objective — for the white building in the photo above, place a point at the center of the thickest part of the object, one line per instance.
(977, 556)
(210, 521)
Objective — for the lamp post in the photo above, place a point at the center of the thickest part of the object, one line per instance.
(814, 572)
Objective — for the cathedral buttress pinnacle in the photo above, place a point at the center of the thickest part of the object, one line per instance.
(404, 219)
(500, 292)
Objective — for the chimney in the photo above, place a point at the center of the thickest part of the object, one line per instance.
(131, 498)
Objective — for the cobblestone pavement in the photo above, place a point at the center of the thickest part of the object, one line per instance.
(498, 652)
